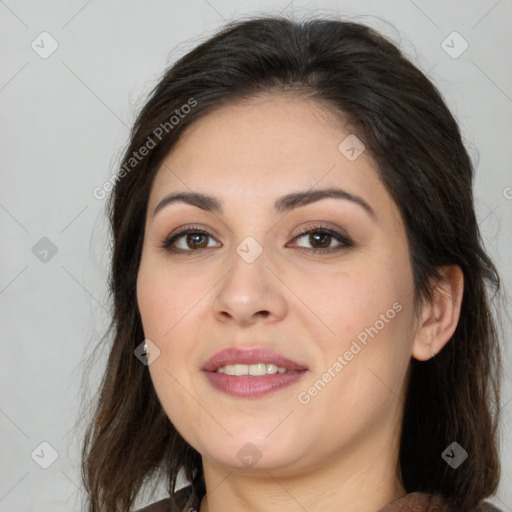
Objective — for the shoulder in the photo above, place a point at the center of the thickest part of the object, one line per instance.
(183, 498)
(412, 502)
(425, 502)
(159, 506)
(486, 506)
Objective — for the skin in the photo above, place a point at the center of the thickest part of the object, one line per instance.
(340, 450)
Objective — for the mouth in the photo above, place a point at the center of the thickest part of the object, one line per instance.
(251, 373)
(255, 370)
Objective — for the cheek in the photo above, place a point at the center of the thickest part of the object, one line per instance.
(168, 313)
(164, 319)
(164, 298)
(349, 302)
(151, 298)
(368, 311)
(165, 325)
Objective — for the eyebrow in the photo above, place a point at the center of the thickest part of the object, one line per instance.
(282, 204)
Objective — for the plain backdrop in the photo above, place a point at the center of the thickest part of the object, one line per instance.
(73, 75)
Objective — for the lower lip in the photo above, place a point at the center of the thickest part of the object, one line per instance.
(252, 387)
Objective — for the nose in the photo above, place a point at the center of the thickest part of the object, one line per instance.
(249, 293)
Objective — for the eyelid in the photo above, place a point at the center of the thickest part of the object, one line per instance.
(339, 234)
(319, 227)
(167, 240)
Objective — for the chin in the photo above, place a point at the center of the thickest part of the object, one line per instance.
(254, 454)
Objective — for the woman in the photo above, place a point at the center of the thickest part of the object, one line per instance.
(301, 309)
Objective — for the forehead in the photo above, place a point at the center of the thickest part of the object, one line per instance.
(253, 151)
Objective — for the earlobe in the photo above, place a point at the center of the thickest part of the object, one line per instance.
(439, 316)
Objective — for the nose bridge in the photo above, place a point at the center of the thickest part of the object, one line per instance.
(249, 288)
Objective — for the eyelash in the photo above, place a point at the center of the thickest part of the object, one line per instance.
(345, 242)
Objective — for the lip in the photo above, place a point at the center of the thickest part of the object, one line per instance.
(247, 386)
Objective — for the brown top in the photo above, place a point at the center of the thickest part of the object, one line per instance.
(412, 502)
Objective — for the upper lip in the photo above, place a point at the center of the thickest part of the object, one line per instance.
(250, 356)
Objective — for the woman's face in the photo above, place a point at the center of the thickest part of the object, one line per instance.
(323, 322)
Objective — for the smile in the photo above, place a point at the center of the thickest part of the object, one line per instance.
(251, 373)
(255, 370)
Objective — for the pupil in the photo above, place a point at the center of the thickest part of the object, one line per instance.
(324, 236)
(192, 239)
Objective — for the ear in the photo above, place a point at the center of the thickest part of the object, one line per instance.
(439, 317)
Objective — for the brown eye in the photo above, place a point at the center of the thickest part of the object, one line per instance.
(320, 239)
(193, 241)
(187, 240)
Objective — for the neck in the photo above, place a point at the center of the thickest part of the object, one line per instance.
(355, 482)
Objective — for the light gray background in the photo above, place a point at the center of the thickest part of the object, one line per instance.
(64, 123)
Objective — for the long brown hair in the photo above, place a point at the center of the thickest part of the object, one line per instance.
(408, 130)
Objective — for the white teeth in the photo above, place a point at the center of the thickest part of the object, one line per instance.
(255, 370)
(272, 368)
(258, 369)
